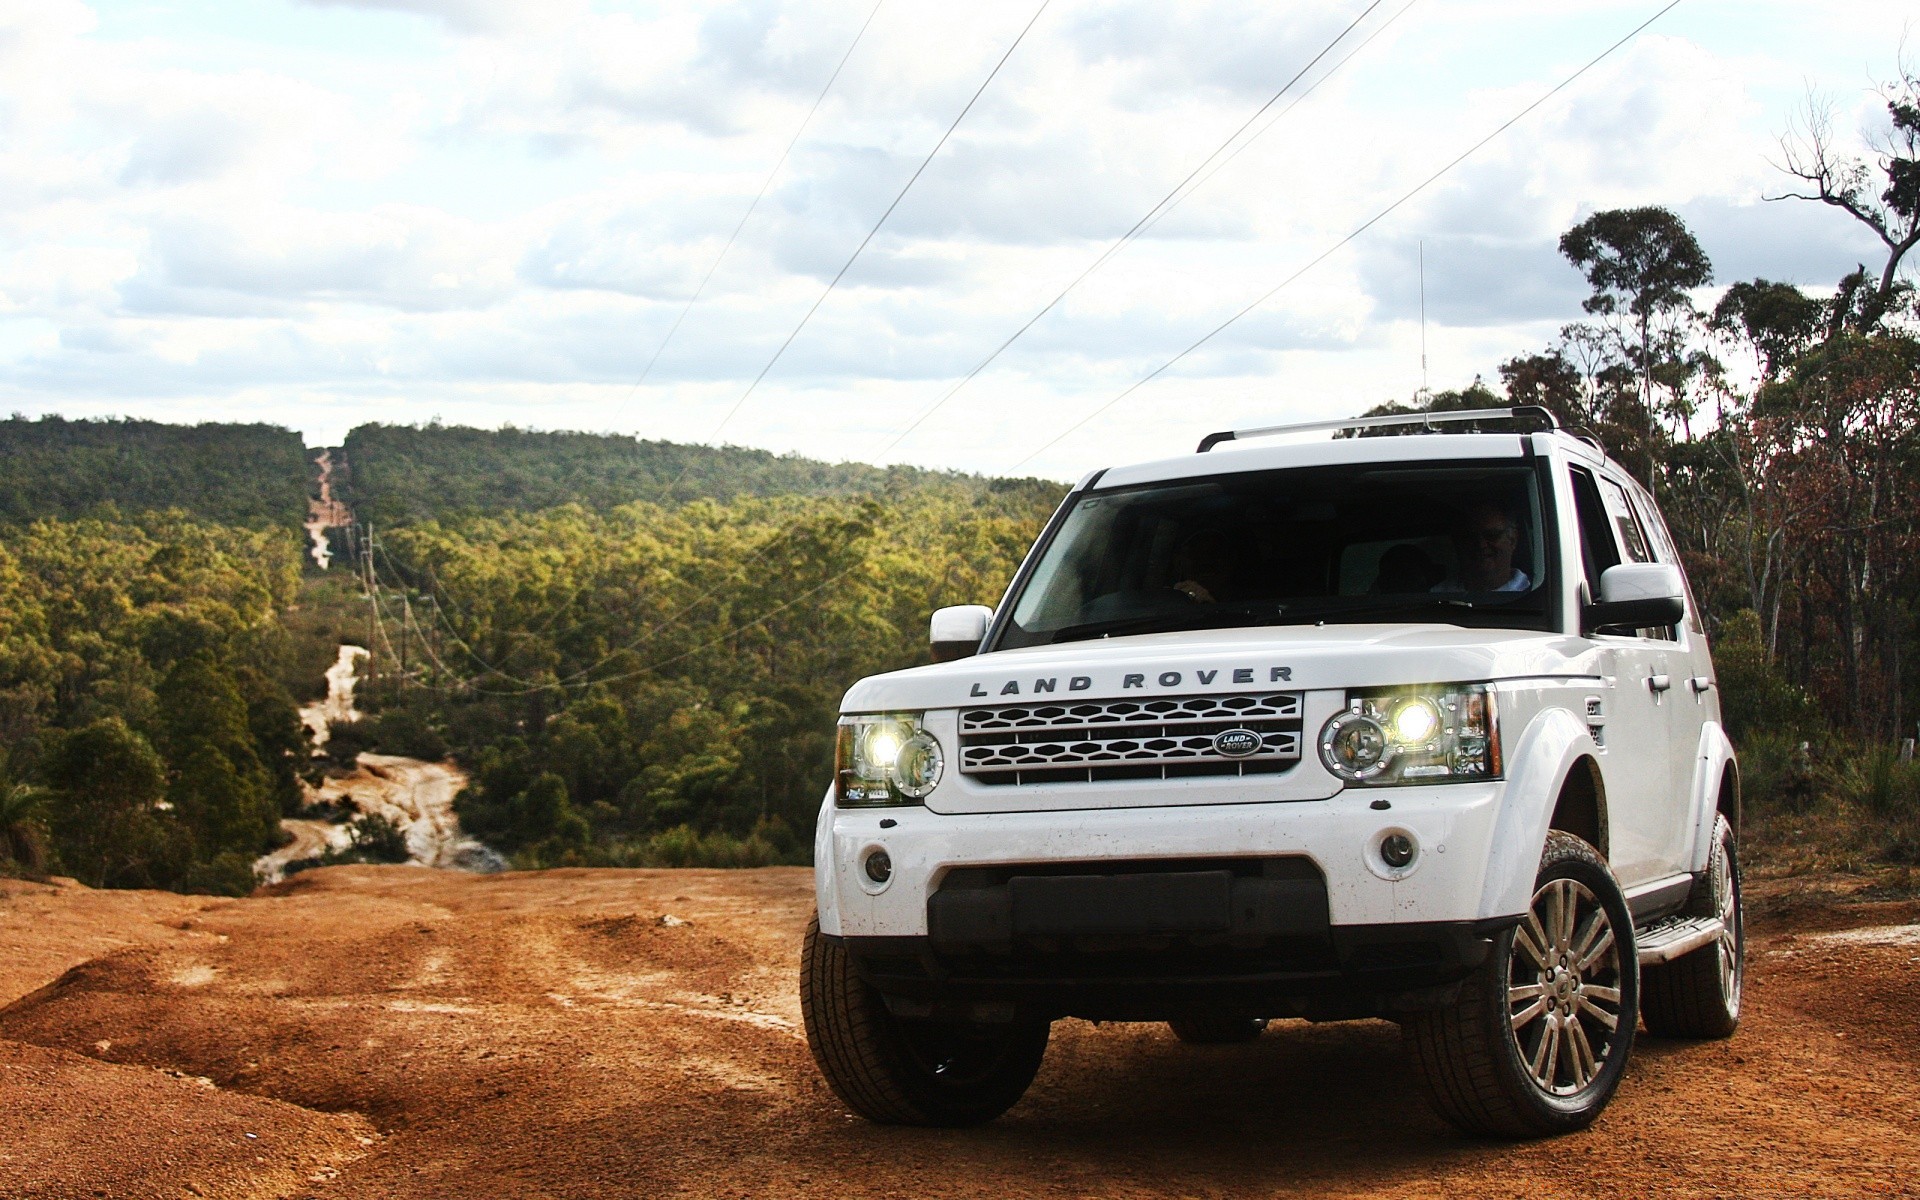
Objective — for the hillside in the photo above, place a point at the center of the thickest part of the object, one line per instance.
(400, 474)
(252, 475)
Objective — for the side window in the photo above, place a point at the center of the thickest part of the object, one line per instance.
(1632, 537)
(1620, 512)
(1597, 549)
(1664, 548)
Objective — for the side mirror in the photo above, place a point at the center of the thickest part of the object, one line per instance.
(956, 632)
(1638, 595)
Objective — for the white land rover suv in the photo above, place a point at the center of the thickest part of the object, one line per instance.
(1417, 727)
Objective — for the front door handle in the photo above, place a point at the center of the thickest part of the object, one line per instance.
(1659, 683)
(1700, 683)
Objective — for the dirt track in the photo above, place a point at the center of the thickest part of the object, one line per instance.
(401, 1032)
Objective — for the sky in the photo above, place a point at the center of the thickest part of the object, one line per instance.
(320, 213)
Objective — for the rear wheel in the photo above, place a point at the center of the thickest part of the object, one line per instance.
(1698, 994)
(1217, 1030)
(1540, 1034)
(902, 1072)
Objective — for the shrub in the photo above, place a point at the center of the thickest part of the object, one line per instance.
(1879, 782)
(1755, 697)
(377, 839)
(347, 741)
(25, 847)
(407, 731)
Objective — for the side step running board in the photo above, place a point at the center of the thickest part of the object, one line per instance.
(1664, 941)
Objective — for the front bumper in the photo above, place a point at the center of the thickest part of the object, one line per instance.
(1116, 925)
(1451, 824)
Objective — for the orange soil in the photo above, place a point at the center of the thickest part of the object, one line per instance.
(394, 1031)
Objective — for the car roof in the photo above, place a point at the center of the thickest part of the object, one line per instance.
(1268, 455)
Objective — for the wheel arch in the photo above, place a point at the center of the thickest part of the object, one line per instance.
(1554, 749)
(1716, 790)
(1729, 804)
(1581, 806)
(826, 889)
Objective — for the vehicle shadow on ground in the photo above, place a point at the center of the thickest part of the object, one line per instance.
(1308, 1105)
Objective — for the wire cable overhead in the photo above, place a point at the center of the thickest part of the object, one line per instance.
(1167, 203)
(873, 232)
(1369, 223)
(765, 184)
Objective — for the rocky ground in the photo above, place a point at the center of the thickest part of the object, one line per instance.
(394, 1031)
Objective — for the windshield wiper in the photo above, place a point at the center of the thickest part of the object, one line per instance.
(1401, 610)
(1168, 622)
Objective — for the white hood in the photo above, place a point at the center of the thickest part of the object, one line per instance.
(1285, 658)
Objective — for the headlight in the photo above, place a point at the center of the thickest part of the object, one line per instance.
(1443, 734)
(885, 759)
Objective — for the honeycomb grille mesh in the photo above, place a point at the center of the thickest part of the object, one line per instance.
(1095, 740)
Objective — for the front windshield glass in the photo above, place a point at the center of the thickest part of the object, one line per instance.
(1455, 543)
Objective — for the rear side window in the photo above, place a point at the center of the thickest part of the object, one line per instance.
(1611, 533)
(1633, 539)
(1664, 549)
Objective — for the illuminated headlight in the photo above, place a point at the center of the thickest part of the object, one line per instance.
(1444, 734)
(885, 759)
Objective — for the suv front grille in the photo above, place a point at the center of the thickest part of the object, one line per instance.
(1097, 740)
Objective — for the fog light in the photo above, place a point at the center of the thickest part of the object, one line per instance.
(879, 867)
(1396, 850)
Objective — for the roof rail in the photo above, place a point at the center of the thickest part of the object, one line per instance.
(1427, 420)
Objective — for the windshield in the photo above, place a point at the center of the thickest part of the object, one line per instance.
(1456, 543)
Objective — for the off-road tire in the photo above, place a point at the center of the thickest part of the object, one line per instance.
(1469, 1056)
(1698, 994)
(1217, 1031)
(899, 1072)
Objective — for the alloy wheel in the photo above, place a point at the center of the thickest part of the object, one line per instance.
(1563, 988)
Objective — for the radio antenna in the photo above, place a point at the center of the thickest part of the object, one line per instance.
(1424, 390)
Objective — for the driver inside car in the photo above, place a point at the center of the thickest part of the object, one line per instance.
(1203, 566)
(1484, 538)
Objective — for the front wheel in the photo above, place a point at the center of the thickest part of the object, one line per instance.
(1698, 994)
(902, 1072)
(1540, 1034)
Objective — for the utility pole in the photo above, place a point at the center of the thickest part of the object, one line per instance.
(373, 600)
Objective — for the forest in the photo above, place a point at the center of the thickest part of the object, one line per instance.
(659, 684)
(148, 736)
(252, 475)
(399, 474)
(636, 648)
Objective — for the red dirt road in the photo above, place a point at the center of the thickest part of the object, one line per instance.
(398, 1032)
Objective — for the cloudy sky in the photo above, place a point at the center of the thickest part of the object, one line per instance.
(324, 212)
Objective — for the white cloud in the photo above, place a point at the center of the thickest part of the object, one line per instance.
(465, 16)
(489, 210)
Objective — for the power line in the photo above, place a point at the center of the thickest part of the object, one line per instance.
(758, 196)
(762, 619)
(1362, 228)
(1153, 215)
(1174, 198)
(871, 233)
(1276, 118)
(687, 466)
(375, 546)
(1164, 205)
(687, 609)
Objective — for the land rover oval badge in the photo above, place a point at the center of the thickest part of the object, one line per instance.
(1237, 743)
